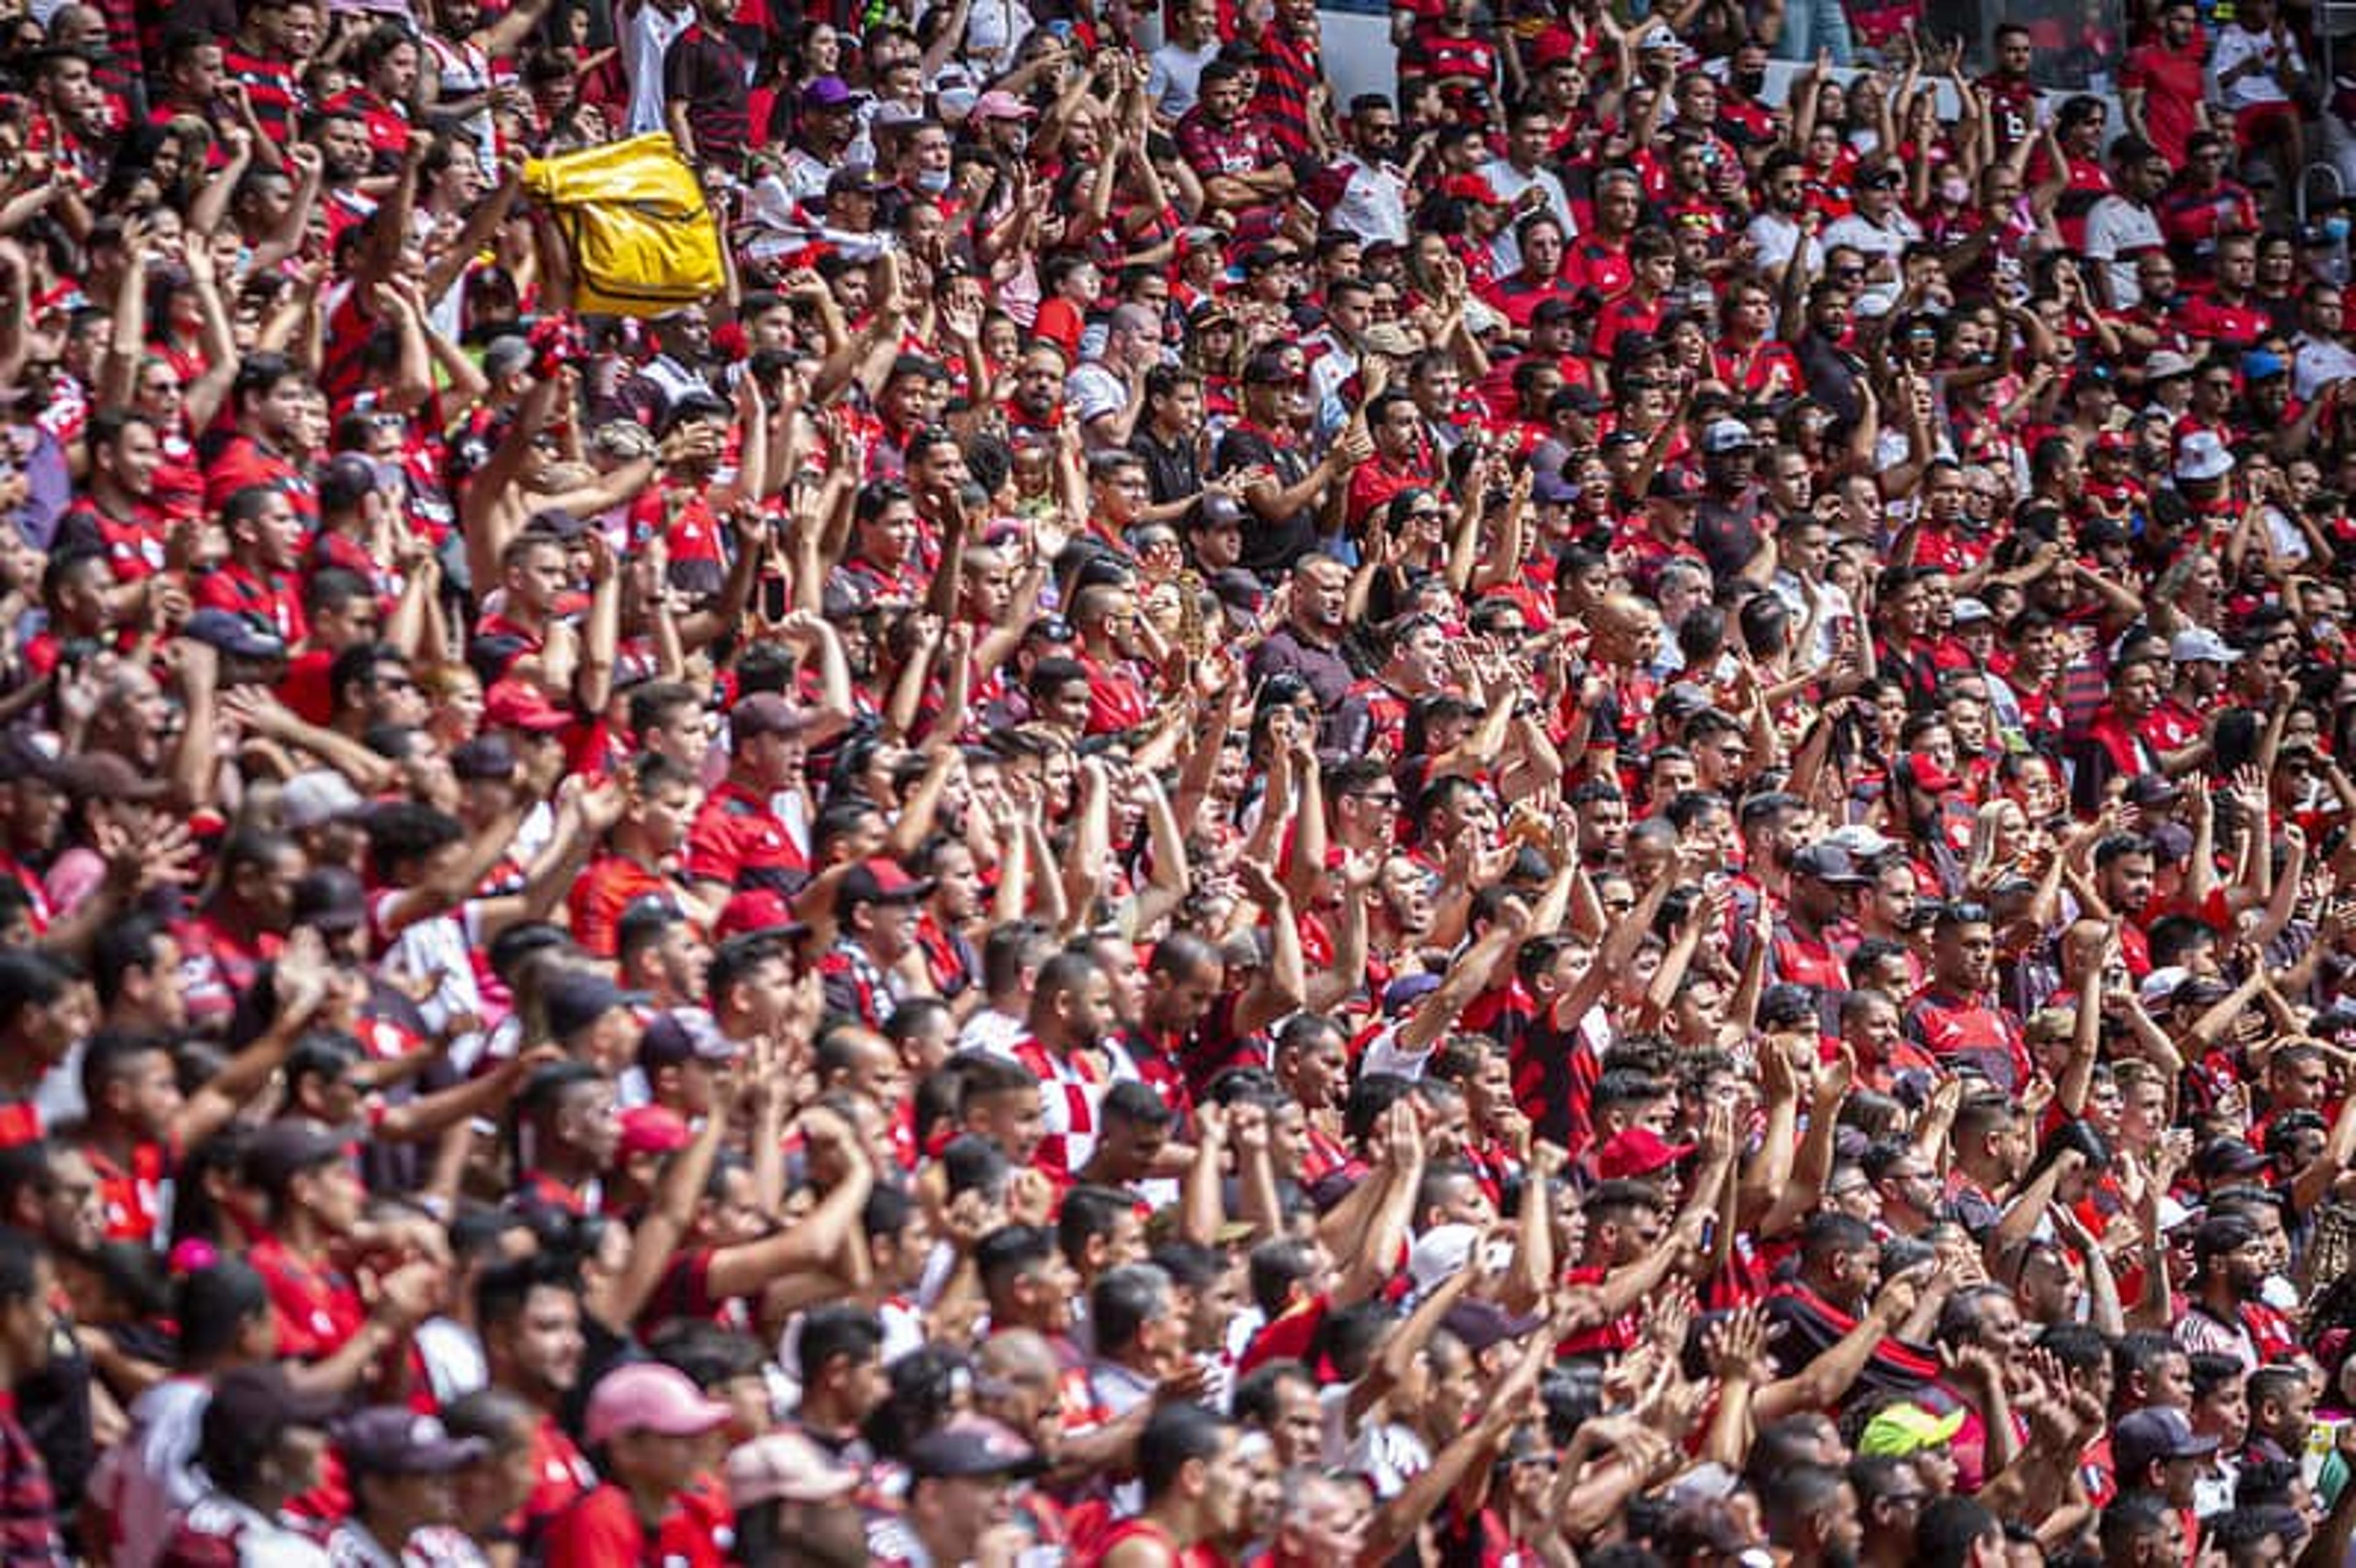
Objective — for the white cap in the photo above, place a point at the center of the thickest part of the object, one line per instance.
(1439, 1252)
(2203, 457)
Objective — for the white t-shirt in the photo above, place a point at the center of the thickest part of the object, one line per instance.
(646, 37)
(2116, 226)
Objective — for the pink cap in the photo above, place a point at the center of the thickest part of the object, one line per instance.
(1000, 104)
(648, 1396)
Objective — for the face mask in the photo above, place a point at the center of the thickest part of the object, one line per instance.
(932, 182)
(2335, 227)
(1956, 192)
(1750, 84)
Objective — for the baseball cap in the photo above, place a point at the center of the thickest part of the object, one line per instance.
(2198, 645)
(287, 1147)
(1478, 1324)
(2219, 1156)
(1898, 1430)
(1676, 485)
(1638, 1151)
(1215, 510)
(652, 1129)
(483, 757)
(879, 880)
(1828, 863)
(2158, 988)
(2263, 364)
(518, 705)
(232, 634)
(756, 909)
(1439, 1252)
(765, 713)
(2155, 1432)
(2202, 457)
(330, 901)
(259, 1400)
(314, 799)
(786, 1467)
(1970, 612)
(684, 1034)
(829, 93)
(345, 482)
(1000, 104)
(648, 1396)
(572, 1000)
(2153, 790)
(968, 1446)
(2165, 365)
(1728, 435)
(390, 1440)
(1863, 842)
(1929, 776)
(1683, 699)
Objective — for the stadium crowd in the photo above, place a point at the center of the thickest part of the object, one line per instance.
(1570, 815)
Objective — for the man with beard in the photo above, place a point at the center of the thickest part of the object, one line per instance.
(1957, 1018)
(1373, 201)
(738, 843)
(269, 402)
(1238, 161)
(2114, 746)
(1071, 1008)
(2230, 1264)
(1784, 225)
(875, 913)
(1196, 1489)
(1808, 948)
(1309, 644)
(1282, 488)
(1811, 1516)
(1037, 408)
(528, 1315)
(792, 1503)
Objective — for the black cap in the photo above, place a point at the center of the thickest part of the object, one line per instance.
(2150, 790)
(391, 1440)
(575, 999)
(287, 1147)
(1676, 485)
(1480, 1324)
(232, 634)
(486, 756)
(345, 482)
(968, 1445)
(330, 901)
(1215, 510)
(555, 522)
(259, 1401)
(1830, 864)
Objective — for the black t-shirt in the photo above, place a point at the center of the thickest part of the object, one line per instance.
(1269, 548)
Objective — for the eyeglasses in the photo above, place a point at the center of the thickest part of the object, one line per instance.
(1846, 273)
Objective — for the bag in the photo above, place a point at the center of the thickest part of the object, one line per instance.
(643, 239)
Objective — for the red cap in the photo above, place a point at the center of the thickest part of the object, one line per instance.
(652, 1129)
(1929, 776)
(1555, 44)
(755, 909)
(1638, 1151)
(1469, 188)
(520, 705)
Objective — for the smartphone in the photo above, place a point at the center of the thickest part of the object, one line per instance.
(776, 602)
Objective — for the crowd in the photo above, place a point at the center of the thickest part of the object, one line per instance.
(1567, 816)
